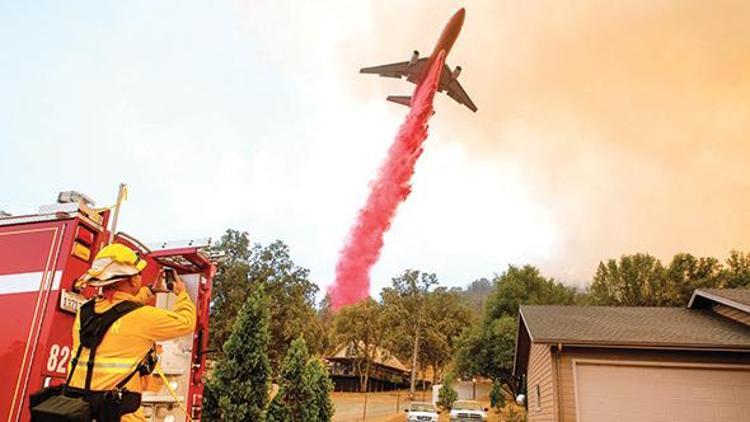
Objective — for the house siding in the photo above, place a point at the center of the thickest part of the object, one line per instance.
(732, 313)
(567, 378)
(541, 373)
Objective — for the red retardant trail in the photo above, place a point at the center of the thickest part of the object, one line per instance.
(387, 191)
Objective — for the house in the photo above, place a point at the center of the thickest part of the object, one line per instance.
(598, 363)
(387, 372)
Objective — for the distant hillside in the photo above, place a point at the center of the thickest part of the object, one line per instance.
(476, 294)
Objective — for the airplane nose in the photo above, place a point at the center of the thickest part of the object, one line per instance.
(459, 16)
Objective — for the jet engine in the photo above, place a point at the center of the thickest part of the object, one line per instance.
(414, 58)
(456, 72)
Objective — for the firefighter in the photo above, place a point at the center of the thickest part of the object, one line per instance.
(128, 346)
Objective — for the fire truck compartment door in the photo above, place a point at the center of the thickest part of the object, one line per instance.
(27, 277)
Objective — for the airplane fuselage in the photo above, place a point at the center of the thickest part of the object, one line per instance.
(448, 36)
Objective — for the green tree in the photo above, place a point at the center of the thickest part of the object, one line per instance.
(405, 304)
(230, 285)
(238, 389)
(636, 280)
(487, 348)
(278, 410)
(361, 328)
(291, 299)
(296, 399)
(686, 273)
(737, 270)
(447, 395)
(211, 410)
(476, 294)
(325, 316)
(525, 286)
(497, 396)
(322, 386)
(446, 317)
(290, 293)
(642, 280)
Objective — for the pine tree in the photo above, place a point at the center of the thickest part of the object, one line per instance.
(278, 411)
(447, 395)
(297, 399)
(240, 382)
(497, 395)
(322, 386)
(211, 411)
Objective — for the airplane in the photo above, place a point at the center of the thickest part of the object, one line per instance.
(414, 70)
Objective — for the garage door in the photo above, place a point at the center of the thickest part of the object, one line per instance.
(615, 393)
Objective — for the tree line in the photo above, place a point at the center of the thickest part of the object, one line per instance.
(642, 280)
(461, 332)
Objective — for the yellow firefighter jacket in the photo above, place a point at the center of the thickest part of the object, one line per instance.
(129, 339)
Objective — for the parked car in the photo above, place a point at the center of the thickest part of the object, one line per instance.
(468, 411)
(422, 412)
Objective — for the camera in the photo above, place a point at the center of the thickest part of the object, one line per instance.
(169, 278)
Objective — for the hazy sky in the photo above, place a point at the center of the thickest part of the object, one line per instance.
(603, 128)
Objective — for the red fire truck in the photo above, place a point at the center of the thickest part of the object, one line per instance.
(41, 256)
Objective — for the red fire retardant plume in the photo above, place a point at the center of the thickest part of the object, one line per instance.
(387, 191)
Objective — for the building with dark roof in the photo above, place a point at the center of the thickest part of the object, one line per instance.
(346, 366)
(601, 363)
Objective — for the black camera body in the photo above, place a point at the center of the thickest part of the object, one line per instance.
(169, 278)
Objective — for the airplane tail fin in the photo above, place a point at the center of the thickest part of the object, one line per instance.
(400, 99)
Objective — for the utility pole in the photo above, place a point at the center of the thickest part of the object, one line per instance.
(415, 352)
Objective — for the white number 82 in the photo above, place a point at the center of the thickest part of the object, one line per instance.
(58, 358)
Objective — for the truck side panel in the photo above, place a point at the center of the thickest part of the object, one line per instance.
(28, 275)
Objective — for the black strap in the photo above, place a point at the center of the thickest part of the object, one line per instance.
(93, 327)
(90, 367)
(73, 364)
(137, 369)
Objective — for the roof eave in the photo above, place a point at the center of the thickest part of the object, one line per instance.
(521, 323)
(658, 346)
(718, 299)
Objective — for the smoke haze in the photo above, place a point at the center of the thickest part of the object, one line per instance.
(629, 120)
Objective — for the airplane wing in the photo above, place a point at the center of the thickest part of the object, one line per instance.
(453, 89)
(412, 71)
(393, 70)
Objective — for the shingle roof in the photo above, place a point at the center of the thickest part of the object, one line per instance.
(382, 356)
(633, 326)
(729, 296)
(737, 295)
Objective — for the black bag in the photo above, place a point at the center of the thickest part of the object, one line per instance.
(51, 405)
(63, 403)
(70, 404)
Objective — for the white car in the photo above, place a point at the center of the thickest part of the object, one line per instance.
(422, 412)
(468, 411)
